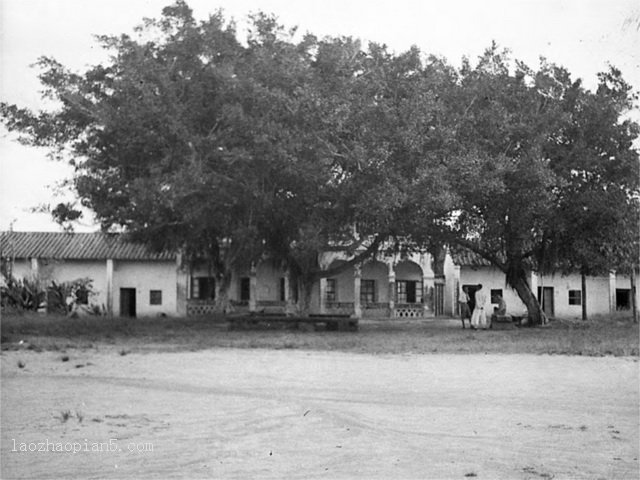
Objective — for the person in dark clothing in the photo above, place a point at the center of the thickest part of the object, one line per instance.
(471, 292)
(465, 313)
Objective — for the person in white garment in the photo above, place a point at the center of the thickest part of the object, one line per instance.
(479, 316)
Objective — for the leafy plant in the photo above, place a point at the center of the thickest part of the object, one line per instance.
(63, 297)
(22, 294)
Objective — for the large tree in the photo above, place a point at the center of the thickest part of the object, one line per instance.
(287, 147)
(595, 229)
(189, 140)
(520, 177)
(353, 153)
(159, 136)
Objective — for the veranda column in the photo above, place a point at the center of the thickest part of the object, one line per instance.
(323, 295)
(253, 287)
(181, 287)
(110, 287)
(612, 291)
(456, 290)
(357, 282)
(429, 296)
(428, 286)
(288, 305)
(392, 288)
(34, 267)
(35, 273)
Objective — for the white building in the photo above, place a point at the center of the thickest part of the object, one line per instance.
(560, 295)
(129, 280)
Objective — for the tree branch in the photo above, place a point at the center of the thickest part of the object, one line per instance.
(368, 252)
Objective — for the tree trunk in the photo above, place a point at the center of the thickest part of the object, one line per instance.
(304, 297)
(222, 301)
(634, 305)
(534, 310)
(583, 279)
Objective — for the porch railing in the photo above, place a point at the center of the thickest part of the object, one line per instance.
(408, 310)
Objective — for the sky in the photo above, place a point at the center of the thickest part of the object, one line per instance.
(582, 35)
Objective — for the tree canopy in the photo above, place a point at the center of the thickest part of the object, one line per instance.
(286, 145)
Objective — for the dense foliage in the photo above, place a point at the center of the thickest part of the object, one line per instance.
(34, 294)
(286, 146)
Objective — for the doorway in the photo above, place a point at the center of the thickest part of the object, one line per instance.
(545, 297)
(127, 302)
(623, 299)
(245, 289)
(409, 291)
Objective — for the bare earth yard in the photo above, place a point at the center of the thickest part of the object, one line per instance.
(296, 412)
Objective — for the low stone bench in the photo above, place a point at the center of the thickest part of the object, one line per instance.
(312, 322)
(340, 322)
(502, 322)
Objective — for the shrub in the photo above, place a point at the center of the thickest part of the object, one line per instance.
(25, 294)
(59, 297)
(64, 297)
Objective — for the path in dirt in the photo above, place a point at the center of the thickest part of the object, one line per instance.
(294, 414)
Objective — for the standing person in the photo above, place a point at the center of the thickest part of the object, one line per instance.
(479, 316)
(463, 303)
(471, 303)
(499, 311)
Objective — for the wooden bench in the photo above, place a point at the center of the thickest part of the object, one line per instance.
(312, 322)
(502, 322)
(339, 322)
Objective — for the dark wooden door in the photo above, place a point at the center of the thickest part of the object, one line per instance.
(127, 302)
(411, 292)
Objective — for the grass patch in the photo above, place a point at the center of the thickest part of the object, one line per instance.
(64, 416)
(614, 335)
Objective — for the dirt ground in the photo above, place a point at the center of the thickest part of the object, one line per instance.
(232, 413)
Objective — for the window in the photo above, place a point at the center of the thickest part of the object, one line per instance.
(409, 291)
(155, 297)
(496, 292)
(245, 289)
(367, 291)
(82, 296)
(401, 289)
(331, 291)
(203, 288)
(575, 297)
(282, 289)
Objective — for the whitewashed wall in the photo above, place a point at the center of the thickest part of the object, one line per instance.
(597, 294)
(345, 283)
(144, 277)
(598, 290)
(379, 272)
(22, 269)
(492, 278)
(67, 271)
(451, 281)
(268, 282)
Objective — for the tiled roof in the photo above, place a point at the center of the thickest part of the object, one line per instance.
(467, 258)
(75, 246)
